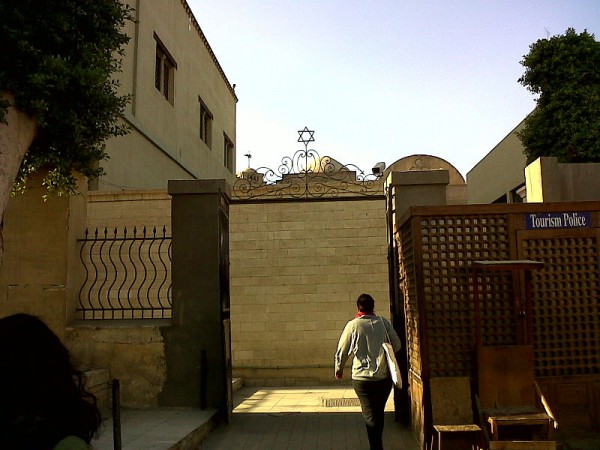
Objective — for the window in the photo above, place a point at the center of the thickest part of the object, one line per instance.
(164, 70)
(205, 122)
(228, 153)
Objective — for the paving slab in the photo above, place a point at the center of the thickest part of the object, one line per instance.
(299, 419)
(158, 429)
(263, 418)
(280, 418)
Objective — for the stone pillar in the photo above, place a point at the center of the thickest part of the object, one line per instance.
(417, 188)
(197, 345)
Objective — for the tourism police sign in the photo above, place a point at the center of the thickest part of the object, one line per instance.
(545, 221)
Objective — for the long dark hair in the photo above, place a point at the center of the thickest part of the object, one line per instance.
(42, 397)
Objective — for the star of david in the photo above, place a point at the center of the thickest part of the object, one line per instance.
(306, 136)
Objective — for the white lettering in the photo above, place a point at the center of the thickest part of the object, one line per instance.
(574, 219)
(532, 218)
(558, 220)
(545, 222)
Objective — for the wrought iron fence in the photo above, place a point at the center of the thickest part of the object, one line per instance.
(127, 274)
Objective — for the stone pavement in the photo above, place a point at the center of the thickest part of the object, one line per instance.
(299, 418)
(302, 419)
(158, 429)
(263, 418)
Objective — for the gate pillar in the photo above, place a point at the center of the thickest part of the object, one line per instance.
(198, 345)
(403, 190)
(417, 188)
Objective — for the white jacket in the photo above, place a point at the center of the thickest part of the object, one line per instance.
(362, 338)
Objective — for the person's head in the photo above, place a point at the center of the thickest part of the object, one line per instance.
(365, 303)
(42, 395)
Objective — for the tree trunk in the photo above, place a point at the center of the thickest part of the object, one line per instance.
(15, 138)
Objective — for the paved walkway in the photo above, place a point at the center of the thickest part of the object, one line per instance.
(273, 419)
(158, 429)
(263, 419)
(302, 419)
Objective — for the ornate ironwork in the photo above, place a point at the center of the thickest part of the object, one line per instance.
(127, 275)
(306, 175)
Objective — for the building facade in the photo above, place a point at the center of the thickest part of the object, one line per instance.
(182, 113)
(506, 161)
(503, 176)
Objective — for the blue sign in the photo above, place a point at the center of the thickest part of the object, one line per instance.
(545, 221)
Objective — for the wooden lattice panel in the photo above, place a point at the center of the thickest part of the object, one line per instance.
(565, 297)
(407, 281)
(497, 310)
(449, 244)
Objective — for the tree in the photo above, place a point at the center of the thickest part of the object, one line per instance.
(564, 71)
(59, 100)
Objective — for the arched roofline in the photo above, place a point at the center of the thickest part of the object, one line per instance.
(455, 176)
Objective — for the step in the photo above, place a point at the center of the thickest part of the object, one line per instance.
(522, 445)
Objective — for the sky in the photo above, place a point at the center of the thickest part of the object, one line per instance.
(382, 79)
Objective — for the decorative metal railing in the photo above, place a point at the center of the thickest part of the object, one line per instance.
(127, 274)
(306, 175)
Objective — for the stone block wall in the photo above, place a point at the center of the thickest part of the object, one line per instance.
(129, 209)
(36, 275)
(296, 271)
(97, 382)
(132, 352)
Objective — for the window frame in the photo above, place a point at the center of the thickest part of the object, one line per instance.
(164, 70)
(228, 153)
(205, 123)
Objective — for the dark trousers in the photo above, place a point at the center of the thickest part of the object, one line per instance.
(373, 395)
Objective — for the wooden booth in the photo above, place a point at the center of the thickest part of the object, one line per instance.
(491, 292)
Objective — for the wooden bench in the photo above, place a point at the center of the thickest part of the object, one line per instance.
(457, 437)
(511, 402)
(532, 425)
(452, 412)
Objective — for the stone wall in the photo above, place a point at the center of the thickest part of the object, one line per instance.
(296, 270)
(128, 209)
(40, 255)
(131, 351)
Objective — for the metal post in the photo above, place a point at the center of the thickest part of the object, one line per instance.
(203, 380)
(116, 414)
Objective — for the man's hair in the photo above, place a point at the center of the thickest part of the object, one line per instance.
(365, 303)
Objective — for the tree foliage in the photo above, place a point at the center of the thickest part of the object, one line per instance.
(57, 59)
(564, 71)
